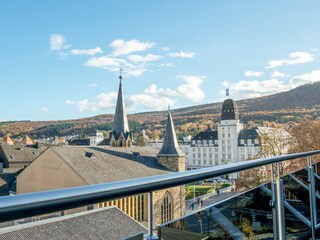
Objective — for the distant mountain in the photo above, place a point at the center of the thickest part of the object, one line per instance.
(280, 107)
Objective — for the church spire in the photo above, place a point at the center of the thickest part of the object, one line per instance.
(120, 118)
(170, 145)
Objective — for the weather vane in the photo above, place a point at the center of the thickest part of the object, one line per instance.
(120, 72)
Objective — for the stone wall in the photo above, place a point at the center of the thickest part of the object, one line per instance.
(179, 203)
(173, 163)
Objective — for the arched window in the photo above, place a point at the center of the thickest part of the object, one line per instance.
(113, 143)
(167, 208)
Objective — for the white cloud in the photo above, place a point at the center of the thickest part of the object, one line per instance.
(57, 42)
(82, 105)
(295, 58)
(181, 54)
(252, 74)
(122, 47)
(109, 63)
(191, 90)
(275, 63)
(166, 65)
(102, 101)
(114, 64)
(300, 57)
(93, 85)
(166, 49)
(155, 98)
(152, 98)
(142, 59)
(91, 51)
(254, 88)
(106, 100)
(149, 102)
(44, 109)
(277, 74)
(311, 77)
(250, 89)
(225, 83)
(161, 92)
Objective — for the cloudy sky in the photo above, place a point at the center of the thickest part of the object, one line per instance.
(61, 59)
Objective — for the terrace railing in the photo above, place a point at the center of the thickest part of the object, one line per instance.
(31, 204)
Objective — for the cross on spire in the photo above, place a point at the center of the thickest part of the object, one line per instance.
(120, 72)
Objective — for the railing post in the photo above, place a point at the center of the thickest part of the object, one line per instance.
(280, 207)
(312, 197)
(150, 217)
(273, 205)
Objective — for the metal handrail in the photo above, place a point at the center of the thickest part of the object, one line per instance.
(31, 204)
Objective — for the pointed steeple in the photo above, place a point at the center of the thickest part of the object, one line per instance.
(120, 118)
(120, 135)
(170, 145)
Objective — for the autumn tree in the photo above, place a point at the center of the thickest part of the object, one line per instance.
(307, 136)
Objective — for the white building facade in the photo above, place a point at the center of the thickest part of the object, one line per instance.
(230, 143)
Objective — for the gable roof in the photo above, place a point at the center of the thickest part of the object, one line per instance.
(108, 223)
(108, 165)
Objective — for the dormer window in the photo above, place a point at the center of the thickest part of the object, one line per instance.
(90, 155)
(242, 141)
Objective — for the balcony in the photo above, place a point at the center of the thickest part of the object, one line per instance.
(286, 207)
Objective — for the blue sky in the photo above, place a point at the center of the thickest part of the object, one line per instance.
(60, 59)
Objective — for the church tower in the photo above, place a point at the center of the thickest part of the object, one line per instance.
(120, 135)
(170, 154)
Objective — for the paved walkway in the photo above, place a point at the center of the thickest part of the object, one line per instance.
(214, 198)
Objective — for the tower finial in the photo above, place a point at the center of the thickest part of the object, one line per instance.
(120, 72)
(169, 108)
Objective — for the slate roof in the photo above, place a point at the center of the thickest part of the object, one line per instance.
(208, 134)
(9, 177)
(108, 224)
(4, 189)
(249, 134)
(170, 144)
(103, 164)
(80, 142)
(18, 154)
